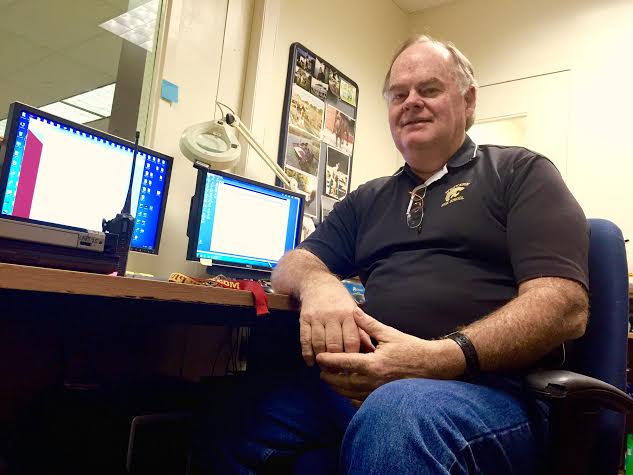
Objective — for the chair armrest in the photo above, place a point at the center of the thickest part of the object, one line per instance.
(569, 386)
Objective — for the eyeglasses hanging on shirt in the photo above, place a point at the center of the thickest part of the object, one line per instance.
(415, 210)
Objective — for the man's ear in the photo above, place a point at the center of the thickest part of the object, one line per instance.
(470, 98)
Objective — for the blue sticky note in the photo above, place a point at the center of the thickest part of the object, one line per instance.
(169, 91)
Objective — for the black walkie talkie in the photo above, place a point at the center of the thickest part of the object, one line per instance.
(123, 223)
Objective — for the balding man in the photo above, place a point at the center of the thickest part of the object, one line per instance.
(474, 260)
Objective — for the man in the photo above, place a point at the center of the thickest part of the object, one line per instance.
(484, 241)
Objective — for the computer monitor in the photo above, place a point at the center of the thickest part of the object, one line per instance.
(60, 173)
(240, 226)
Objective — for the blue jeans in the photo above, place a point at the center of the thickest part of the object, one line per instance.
(416, 426)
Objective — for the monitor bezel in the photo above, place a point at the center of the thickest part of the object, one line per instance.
(195, 211)
(16, 108)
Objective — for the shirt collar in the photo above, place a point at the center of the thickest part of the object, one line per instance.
(464, 155)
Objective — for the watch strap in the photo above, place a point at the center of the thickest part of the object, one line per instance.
(470, 353)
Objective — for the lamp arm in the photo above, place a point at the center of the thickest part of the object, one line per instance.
(260, 151)
(235, 122)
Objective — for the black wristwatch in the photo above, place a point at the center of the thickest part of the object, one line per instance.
(470, 353)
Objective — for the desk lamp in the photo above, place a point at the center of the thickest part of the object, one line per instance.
(211, 142)
(215, 144)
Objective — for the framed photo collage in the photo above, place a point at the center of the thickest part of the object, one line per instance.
(316, 142)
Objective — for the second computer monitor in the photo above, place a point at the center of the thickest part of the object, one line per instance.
(240, 226)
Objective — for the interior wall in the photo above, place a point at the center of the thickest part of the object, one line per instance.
(357, 37)
(511, 40)
(239, 49)
(203, 62)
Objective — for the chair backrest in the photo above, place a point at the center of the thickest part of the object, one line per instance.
(602, 352)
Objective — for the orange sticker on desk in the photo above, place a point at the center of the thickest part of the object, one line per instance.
(254, 287)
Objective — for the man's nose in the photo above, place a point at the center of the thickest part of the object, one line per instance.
(413, 100)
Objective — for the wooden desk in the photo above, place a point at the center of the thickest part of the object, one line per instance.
(57, 325)
(41, 280)
(80, 350)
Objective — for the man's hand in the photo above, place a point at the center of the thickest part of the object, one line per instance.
(397, 356)
(327, 322)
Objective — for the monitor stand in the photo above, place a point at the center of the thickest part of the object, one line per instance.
(238, 273)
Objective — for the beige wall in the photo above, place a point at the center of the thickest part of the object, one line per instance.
(195, 56)
(358, 37)
(505, 40)
(247, 70)
(514, 39)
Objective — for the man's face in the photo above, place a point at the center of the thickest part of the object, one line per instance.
(426, 108)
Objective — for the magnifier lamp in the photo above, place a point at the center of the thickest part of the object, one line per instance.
(215, 144)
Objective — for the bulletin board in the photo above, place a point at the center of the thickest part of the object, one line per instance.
(318, 131)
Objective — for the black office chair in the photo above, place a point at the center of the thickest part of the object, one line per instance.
(587, 404)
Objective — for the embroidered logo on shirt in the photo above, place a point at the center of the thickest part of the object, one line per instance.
(454, 193)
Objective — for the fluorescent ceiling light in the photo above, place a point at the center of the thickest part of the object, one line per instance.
(136, 26)
(69, 112)
(86, 107)
(97, 101)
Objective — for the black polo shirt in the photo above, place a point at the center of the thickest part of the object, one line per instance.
(500, 216)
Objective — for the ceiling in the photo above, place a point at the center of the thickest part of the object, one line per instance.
(414, 6)
(53, 49)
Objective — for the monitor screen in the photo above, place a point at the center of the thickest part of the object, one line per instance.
(239, 223)
(58, 172)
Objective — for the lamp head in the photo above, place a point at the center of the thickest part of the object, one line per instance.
(213, 143)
